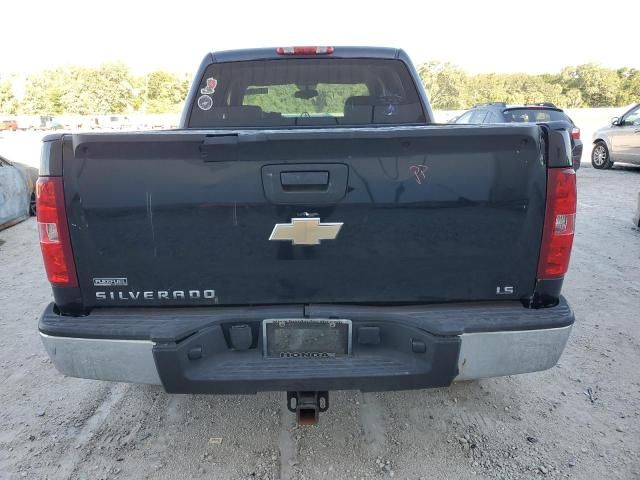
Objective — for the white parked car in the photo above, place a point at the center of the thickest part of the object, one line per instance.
(619, 142)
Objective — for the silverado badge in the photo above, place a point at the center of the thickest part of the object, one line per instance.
(305, 231)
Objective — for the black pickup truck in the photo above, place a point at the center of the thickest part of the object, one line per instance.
(307, 228)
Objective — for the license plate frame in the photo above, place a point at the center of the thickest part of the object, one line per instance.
(280, 326)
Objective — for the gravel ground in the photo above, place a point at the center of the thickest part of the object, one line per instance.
(578, 420)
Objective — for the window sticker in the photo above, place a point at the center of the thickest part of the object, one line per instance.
(210, 87)
(205, 102)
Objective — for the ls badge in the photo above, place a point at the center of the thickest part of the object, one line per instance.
(305, 231)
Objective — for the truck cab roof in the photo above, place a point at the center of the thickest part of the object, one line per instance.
(272, 53)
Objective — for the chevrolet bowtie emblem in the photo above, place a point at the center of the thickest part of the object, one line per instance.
(305, 231)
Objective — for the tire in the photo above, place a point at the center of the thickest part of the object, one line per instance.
(32, 205)
(600, 158)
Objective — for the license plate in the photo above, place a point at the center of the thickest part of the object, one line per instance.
(306, 337)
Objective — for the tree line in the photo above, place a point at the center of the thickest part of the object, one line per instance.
(113, 89)
(589, 85)
(108, 89)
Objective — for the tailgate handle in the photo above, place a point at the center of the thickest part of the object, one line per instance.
(305, 183)
(304, 180)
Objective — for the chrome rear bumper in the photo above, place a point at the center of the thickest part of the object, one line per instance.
(482, 355)
(103, 359)
(496, 354)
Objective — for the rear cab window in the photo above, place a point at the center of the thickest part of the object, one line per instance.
(305, 92)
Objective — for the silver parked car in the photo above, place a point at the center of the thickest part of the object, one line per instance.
(619, 142)
(17, 192)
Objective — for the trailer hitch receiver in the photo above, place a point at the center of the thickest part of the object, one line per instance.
(307, 406)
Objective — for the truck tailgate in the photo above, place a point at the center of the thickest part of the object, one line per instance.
(427, 214)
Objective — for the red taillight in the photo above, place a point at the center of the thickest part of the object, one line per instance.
(575, 133)
(559, 223)
(54, 234)
(304, 50)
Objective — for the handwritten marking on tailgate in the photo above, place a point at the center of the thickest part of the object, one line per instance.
(420, 172)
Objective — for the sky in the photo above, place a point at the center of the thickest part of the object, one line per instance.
(533, 36)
